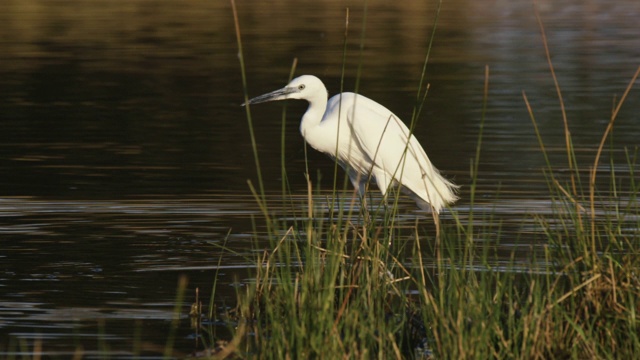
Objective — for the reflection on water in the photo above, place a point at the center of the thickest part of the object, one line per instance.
(69, 266)
(124, 154)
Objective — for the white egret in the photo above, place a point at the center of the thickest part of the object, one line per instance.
(368, 140)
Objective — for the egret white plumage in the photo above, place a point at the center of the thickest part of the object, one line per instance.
(368, 141)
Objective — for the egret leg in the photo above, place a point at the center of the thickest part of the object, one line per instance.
(359, 182)
(383, 182)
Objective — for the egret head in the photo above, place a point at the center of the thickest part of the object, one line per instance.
(303, 87)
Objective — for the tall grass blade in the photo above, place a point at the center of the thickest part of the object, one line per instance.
(246, 99)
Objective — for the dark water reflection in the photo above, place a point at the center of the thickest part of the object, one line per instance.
(124, 154)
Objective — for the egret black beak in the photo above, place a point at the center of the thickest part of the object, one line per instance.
(280, 94)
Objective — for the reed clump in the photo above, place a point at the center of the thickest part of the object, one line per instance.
(332, 286)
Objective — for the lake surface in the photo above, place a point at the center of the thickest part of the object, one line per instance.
(125, 155)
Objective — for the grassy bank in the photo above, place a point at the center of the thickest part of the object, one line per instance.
(334, 288)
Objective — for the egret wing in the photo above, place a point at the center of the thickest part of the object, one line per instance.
(384, 138)
(396, 155)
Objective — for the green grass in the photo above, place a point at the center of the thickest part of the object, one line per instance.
(331, 286)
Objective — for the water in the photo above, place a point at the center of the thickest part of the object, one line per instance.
(125, 156)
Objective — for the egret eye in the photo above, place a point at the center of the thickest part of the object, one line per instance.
(301, 87)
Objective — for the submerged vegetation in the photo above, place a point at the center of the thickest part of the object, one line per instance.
(344, 282)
